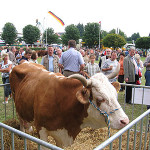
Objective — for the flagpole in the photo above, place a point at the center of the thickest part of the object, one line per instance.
(46, 31)
(99, 33)
(46, 38)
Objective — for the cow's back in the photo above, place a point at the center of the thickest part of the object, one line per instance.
(23, 83)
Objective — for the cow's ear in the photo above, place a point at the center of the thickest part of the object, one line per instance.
(83, 96)
(117, 86)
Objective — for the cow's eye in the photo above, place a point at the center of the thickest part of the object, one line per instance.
(98, 102)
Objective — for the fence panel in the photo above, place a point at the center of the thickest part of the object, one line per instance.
(143, 135)
(25, 136)
(7, 111)
(136, 134)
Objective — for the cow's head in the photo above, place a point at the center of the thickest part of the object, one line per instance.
(104, 96)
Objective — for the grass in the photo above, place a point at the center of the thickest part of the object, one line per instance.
(138, 109)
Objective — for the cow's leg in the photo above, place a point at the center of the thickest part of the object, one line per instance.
(43, 136)
(59, 138)
(28, 127)
(25, 125)
(21, 125)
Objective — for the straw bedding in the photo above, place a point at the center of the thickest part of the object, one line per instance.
(87, 139)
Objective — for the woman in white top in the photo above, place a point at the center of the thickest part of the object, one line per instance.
(34, 57)
(5, 68)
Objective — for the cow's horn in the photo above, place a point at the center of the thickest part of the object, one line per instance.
(81, 78)
(115, 73)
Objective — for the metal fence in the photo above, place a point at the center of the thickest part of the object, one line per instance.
(138, 125)
(137, 133)
(25, 137)
(138, 143)
(6, 111)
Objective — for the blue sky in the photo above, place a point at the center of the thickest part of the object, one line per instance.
(131, 16)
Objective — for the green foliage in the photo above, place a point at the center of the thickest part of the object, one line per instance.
(91, 34)
(118, 32)
(38, 48)
(103, 34)
(112, 31)
(122, 34)
(81, 29)
(51, 36)
(72, 33)
(135, 36)
(9, 33)
(114, 40)
(31, 34)
(143, 43)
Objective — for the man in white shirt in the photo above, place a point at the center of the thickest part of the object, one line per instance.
(110, 65)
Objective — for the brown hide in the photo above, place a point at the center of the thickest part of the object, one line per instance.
(48, 99)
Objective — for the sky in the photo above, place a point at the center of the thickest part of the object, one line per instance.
(130, 16)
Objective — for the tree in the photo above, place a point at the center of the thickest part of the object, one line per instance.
(71, 33)
(118, 31)
(9, 33)
(143, 43)
(112, 31)
(51, 36)
(81, 29)
(135, 36)
(91, 34)
(114, 40)
(31, 34)
(122, 34)
(103, 34)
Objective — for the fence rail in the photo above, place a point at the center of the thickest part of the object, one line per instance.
(25, 136)
(129, 126)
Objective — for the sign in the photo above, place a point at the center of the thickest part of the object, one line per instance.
(141, 96)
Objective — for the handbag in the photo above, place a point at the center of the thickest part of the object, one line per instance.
(139, 73)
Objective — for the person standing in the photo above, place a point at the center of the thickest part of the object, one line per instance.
(12, 56)
(20, 54)
(140, 68)
(111, 65)
(50, 61)
(92, 67)
(71, 60)
(27, 56)
(147, 73)
(121, 72)
(5, 68)
(34, 57)
(85, 56)
(104, 58)
(59, 52)
(130, 73)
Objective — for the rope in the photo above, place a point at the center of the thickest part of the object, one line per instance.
(107, 120)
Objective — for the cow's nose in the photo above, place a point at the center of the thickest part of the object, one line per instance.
(124, 122)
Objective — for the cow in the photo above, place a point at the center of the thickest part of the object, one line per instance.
(60, 106)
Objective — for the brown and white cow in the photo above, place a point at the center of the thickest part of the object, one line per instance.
(59, 106)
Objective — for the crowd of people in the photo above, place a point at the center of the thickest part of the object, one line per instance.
(73, 61)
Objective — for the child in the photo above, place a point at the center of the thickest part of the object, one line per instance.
(92, 67)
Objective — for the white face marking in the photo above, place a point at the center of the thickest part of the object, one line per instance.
(61, 136)
(94, 119)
